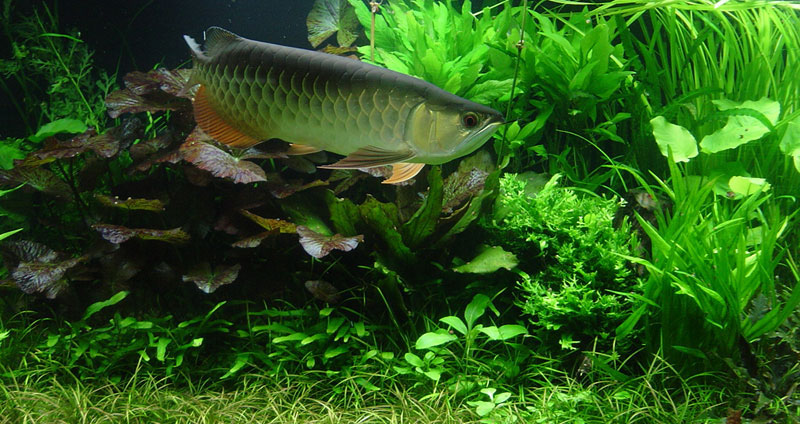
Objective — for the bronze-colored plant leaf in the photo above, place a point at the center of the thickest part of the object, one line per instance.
(318, 245)
(209, 281)
(153, 205)
(255, 240)
(148, 147)
(126, 101)
(270, 224)
(55, 148)
(171, 156)
(43, 277)
(18, 251)
(118, 234)
(460, 186)
(221, 163)
(40, 179)
(323, 290)
(281, 189)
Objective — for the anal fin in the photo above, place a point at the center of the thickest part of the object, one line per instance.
(301, 149)
(403, 171)
(213, 125)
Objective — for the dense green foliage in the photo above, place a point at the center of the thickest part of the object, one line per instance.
(623, 251)
(575, 280)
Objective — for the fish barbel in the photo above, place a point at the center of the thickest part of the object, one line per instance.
(252, 91)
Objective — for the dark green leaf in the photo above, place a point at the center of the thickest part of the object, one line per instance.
(423, 223)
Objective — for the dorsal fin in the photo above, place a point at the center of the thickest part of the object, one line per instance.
(217, 39)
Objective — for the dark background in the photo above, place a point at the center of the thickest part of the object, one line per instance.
(141, 34)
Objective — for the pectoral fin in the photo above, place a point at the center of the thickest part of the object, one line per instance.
(301, 149)
(370, 157)
(215, 126)
(403, 172)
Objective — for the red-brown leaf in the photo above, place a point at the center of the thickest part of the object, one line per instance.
(323, 290)
(153, 205)
(209, 281)
(118, 234)
(270, 224)
(318, 245)
(220, 163)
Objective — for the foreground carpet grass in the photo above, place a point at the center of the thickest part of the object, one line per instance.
(146, 399)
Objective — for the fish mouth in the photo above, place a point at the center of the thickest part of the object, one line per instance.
(475, 140)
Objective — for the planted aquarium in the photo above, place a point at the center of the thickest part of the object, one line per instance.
(400, 211)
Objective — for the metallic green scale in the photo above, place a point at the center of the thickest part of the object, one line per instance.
(271, 91)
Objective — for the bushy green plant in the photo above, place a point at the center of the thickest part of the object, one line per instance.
(91, 349)
(574, 281)
(53, 69)
(463, 356)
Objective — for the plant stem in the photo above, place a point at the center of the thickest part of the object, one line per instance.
(520, 46)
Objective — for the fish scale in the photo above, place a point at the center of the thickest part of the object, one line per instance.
(252, 91)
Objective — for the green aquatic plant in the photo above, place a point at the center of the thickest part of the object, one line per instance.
(574, 283)
(689, 57)
(728, 153)
(53, 69)
(712, 258)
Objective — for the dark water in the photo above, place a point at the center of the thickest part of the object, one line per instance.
(140, 34)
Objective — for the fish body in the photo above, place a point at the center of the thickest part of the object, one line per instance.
(252, 91)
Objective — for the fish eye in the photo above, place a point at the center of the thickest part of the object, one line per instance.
(470, 120)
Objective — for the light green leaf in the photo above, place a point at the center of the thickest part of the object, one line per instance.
(97, 306)
(767, 107)
(433, 374)
(790, 142)
(413, 359)
(476, 308)
(335, 351)
(504, 332)
(746, 186)
(456, 323)
(161, 348)
(290, 338)
(433, 339)
(489, 260)
(674, 137)
(60, 126)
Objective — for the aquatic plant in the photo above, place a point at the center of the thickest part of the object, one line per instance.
(574, 281)
(53, 70)
(712, 259)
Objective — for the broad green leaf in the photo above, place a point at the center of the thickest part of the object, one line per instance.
(490, 259)
(331, 16)
(290, 338)
(433, 339)
(98, 306)
(161, 348)
(434, 374)
(8, 153)
(675, 138)
(790, 142)
(423, 223)
(476, 308)
(456, 323)
(413, 359)
(767, 107)
(504, 332)
(382, 218)
(343, 213)
(60, 126)
(482, 408)
(746, 186)
(742, 127)
(335, 351)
